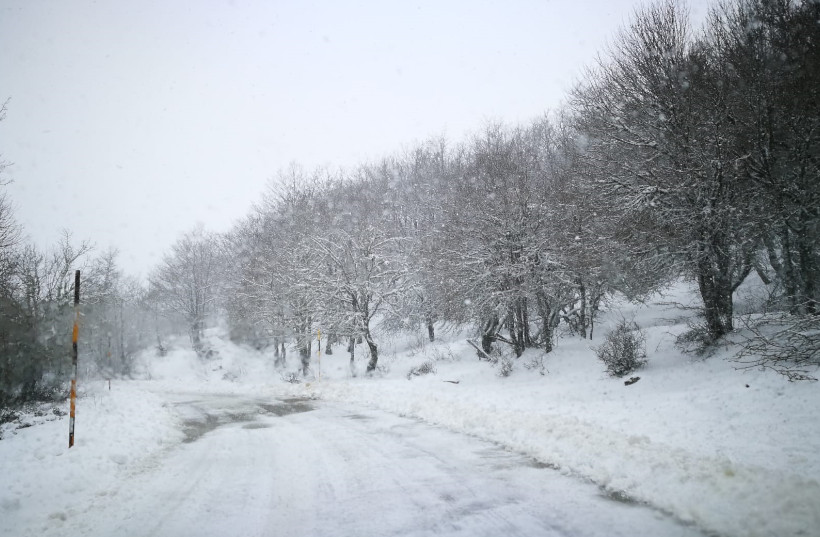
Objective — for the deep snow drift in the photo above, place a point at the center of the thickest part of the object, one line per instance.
(733, 452)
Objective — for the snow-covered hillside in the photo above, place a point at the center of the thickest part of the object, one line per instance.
(732, 452)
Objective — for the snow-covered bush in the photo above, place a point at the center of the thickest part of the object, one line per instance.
(440, 354)
(537, 364)
(697, 339)
(425, 368)
(291, 377)
(505, 367)
(624, 349)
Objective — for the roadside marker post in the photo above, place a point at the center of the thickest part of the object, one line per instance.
(74, 334)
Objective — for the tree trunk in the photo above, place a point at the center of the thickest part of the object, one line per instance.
(525, 322)
(515, 324)
(374, 351)
(304, 356)
(771, 251)
(582, 315)
(511, 326)
(196, 336)
(488, 334)
(593, 312)
(303, 344)
(279, 356)
(716, 294)
(544, 310)
(431, 330)
(351, 348)
(331, 339)
(807, 265)
(788, 276)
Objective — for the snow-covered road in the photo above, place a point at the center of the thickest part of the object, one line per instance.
(293, 467)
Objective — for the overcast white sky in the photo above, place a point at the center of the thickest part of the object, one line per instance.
(131, 121)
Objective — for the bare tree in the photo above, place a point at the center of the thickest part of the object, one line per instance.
(658, 134)
(420, 191)
(499, 254)
(185, 282)
(771, 53)
(116, 325)
(272, 252)
(46, 282)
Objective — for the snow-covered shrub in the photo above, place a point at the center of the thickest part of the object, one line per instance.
(624, 349)
(443, 355)
(291, 376)
(537, 364)
(505, 366)
(7, 415)
(417, 344)
(697, 339)
(425, 368)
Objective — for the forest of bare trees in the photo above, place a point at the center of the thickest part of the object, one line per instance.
(681, 153)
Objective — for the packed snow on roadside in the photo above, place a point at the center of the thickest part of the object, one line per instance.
(733, 452)
(116, 432)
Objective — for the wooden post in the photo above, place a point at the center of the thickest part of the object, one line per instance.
(75, 333)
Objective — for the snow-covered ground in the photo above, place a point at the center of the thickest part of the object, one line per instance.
(255, 466)
(728, 452)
